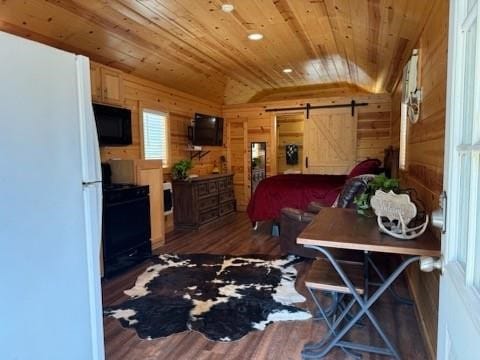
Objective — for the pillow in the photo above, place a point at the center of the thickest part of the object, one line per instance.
(369, 166)
(353, 187)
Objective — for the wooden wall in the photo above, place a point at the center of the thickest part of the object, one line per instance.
(246, 126)
(425, 149)
(250, 122)
(140, 93)
(289, 131)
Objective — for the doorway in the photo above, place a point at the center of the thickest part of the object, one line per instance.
(290, 129)
(258, 163)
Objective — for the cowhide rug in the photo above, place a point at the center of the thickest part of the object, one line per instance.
(223, 297)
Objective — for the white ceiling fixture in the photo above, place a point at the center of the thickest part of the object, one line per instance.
(287, 70)
(228, 8)
(255, 36)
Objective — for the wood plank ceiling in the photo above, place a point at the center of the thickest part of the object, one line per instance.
(191, 45)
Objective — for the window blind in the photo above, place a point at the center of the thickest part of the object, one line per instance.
(155, 136)
(403, 137)
(403, 118)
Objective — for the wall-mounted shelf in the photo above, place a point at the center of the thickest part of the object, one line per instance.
(197, 153)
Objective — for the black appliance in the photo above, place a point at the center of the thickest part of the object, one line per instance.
(106, 175)
(114, 125)
(167, 198)
(126, 227)
(207, 130)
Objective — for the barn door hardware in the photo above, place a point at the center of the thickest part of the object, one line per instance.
(308, 107)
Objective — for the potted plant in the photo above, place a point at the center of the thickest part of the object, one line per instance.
(180, 169)
(379, 182)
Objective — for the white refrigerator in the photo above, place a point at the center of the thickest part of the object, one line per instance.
(50, 206)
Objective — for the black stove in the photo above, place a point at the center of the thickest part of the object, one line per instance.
(126, 226)
(123, 192)
(110, 187)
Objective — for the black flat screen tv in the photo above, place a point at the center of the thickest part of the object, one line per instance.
(207, 130)
(114, 125)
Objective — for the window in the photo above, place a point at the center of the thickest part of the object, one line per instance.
(155, 136)
(403, 118)
(410, 107)
(403, 137)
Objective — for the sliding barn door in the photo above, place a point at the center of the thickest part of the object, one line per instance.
(330, 142)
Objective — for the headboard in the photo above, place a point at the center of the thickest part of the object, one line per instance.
(391, 162)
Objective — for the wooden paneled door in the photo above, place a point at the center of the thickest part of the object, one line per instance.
(330, 142)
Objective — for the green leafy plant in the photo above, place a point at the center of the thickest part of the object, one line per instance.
(180, 169)
(379, 182)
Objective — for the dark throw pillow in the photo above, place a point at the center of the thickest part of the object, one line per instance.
(353, 187)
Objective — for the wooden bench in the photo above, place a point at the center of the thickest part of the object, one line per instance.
(323, 276)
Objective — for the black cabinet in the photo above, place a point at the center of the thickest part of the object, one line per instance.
(126, 227)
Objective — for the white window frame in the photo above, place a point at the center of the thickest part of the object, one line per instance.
(403, 119)
(403, 137)
(153, 110)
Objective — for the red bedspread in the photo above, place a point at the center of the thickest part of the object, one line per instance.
(292, 190)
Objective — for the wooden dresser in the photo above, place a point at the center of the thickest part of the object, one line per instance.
(201, 200)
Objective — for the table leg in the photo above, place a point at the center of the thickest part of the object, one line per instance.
(325, 316)
(334, 325)
(323, 348)
(330, 309)
(366, 274)
(397, 297)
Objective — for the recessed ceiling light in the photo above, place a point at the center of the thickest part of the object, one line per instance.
(287, 70)
(228, 8)
(255, 36)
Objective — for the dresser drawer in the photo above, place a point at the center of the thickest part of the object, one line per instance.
(226, 196)
(201, 189)
(207, 216)
(213, 187)
(225, 184)
(207, 203)
(222, 184)
(226, 208)
(229, 182)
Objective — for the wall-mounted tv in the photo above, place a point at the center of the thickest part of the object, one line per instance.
(207, 130)
(114, 125)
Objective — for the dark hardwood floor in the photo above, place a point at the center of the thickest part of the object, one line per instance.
(281, 340)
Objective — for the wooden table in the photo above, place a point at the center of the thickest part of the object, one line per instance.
(345, 229)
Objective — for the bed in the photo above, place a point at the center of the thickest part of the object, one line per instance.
(297, 190)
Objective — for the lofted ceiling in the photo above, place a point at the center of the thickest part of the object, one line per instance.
(191, 45)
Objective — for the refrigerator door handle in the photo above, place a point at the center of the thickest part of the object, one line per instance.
(88, 130)
(90, 183)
